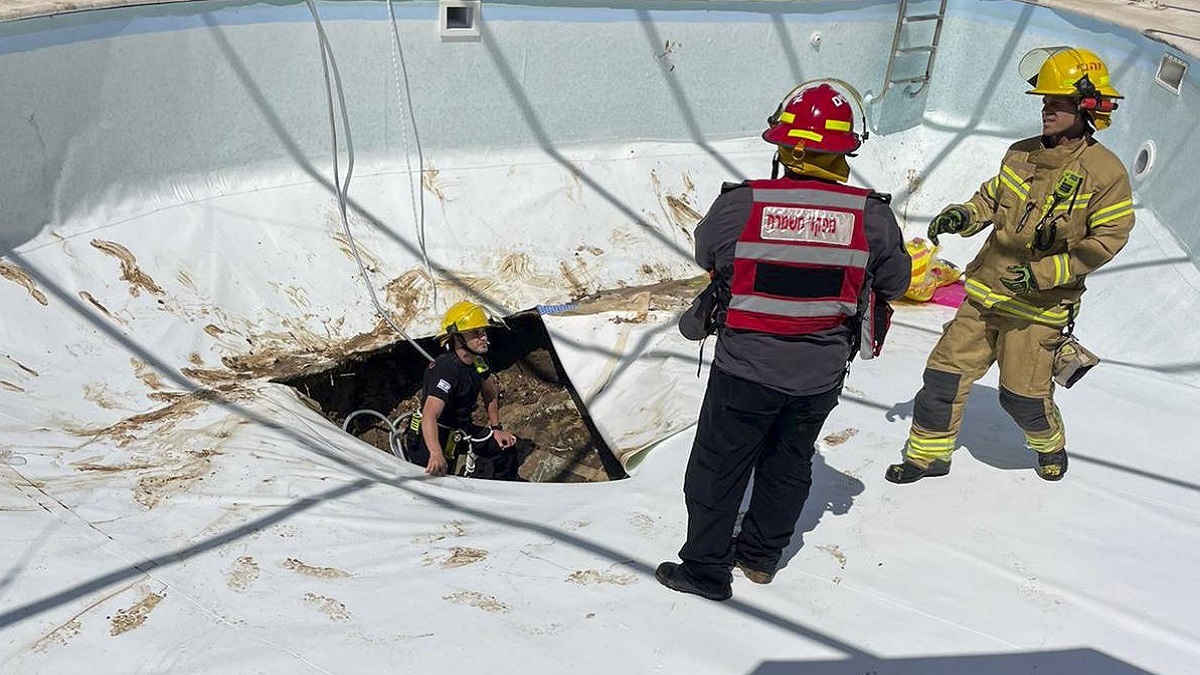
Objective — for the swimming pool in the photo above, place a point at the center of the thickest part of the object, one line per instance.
(171, 215)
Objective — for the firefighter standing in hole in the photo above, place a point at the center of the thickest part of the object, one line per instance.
(796, 257)
(449, 442)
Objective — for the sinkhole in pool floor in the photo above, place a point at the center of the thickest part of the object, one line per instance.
(556, 439)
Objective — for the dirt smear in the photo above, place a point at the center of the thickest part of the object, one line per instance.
(185, 280)
(131, 617)
(181, 406)
(60, 636)
(434, 184)
(98, 393)
(21, 277)
(408, 293)
(476, 599)
(146, 374)
(454, 528)
(369, 259)
(5, 384)
(336, 611)
(151, 490)
(833, 550)
(300, 567)
(839, 437)
(22, 366)
(242, 574)
(87, 297)
(589, 577)
(673, 295)
(130, 272)
(297, 350)
(677, 209)
(462, 555)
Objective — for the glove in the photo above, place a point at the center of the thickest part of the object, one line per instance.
(952, 220)
(1021, 282)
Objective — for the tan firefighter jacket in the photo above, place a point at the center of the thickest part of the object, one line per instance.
(1065, 211)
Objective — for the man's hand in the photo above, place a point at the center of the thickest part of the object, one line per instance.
(952, 220)
(1021, 282)
(505, 439)
(436, 465)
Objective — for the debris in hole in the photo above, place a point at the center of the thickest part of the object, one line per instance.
(556, 442)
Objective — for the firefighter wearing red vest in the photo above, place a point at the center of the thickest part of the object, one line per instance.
(1060, 206)
(798, 255)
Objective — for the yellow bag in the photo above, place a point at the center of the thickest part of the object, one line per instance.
(928, 271)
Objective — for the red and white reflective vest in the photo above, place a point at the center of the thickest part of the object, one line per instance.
(801, 260)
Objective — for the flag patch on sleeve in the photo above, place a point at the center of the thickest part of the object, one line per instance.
(444, 386)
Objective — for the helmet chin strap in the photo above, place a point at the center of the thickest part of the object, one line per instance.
(457, 339)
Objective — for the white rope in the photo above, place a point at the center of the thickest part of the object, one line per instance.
(343, 188)
(416, 194)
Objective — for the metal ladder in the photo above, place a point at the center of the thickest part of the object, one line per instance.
(903, 19)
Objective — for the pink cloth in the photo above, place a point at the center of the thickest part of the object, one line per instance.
(950, 295)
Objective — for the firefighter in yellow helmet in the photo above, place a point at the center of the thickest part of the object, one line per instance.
(454, 382)
(1060, 206)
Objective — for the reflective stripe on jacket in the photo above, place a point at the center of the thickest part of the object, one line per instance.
(800, 262)
(1063, 211)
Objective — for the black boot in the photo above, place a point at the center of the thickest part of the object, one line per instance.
(675, 577)
(1052, 465)
(907, 472)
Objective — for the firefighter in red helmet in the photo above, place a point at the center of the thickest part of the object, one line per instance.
(801, 263)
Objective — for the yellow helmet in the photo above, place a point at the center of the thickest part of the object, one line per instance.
(464, 316)
(1072, 71)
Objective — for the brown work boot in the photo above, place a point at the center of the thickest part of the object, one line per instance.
(757, 576)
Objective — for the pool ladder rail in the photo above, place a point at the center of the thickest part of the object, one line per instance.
(903, 18)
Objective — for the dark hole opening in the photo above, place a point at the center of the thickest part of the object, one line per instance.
(459, 18)
(557, 440)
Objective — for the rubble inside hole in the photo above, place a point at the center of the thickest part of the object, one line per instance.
(557, 442)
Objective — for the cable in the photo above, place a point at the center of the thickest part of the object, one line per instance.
(343, 188)
(416, 195)
(393, 435)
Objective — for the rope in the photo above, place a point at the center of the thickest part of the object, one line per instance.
(328, 62)
(416, 195)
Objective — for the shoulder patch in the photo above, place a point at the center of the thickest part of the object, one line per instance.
(444, 386)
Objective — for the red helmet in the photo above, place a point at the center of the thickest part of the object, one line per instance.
(817, 117)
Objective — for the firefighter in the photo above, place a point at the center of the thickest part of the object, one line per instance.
(1060, 207)
(798, 255)
(448, 441)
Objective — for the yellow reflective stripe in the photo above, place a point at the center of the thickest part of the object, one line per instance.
(1007, 304)
(1049, 444)
(837, 125)
(805, 133)
(1062, 269)
(1014, 182)
(930, 448)
(1111, 213)
(1109, 219)
(989, 188)
(1079, 201)
(787, 117)
(1114, 207)
(920, 442)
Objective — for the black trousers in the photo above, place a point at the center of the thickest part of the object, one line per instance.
(745, 426)
(490, 460)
